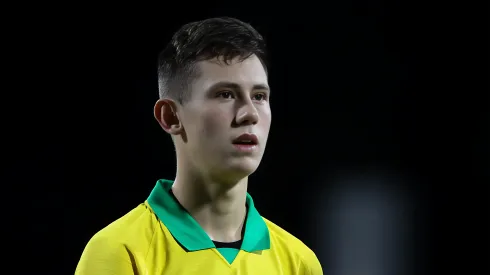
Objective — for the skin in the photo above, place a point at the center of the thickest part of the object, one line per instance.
(227, 100)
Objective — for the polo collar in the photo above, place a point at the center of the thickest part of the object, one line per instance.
(190, 234)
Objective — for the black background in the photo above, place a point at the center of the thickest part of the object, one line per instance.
(357, 87)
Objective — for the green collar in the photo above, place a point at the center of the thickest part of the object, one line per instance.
(190, 234)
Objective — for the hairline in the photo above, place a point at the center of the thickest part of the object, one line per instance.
(185, 76)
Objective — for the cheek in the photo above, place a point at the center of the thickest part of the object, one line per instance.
(265, 119)
(213, 122)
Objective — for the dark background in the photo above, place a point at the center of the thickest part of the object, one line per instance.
(358, 88)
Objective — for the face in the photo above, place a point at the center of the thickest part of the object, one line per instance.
(227, 102)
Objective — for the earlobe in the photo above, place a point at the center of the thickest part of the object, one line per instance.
(165, 112)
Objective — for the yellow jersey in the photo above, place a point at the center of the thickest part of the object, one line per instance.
(160, 237)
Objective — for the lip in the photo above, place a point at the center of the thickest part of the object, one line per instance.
(246, 148)
(252, 137)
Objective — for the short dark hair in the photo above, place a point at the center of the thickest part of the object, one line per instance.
(204, 40)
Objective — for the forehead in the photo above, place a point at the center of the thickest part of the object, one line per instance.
(246, 73)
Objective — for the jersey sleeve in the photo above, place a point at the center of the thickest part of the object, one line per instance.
(311, 264)
(103, 256)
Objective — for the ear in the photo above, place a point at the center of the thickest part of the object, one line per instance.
(165, 112)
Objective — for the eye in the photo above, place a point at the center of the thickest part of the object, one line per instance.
(225, 94)
(260, 97)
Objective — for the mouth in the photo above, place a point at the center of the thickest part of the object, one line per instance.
(246, 139)
(246, 143)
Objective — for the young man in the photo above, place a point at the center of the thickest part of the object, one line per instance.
(214, 102)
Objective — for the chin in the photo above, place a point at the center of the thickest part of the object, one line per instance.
(241, 168)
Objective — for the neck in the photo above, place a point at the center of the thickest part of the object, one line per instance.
(219, 207)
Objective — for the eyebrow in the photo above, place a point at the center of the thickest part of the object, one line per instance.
(235, 86)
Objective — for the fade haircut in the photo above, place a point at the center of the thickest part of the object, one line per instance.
(221, 37)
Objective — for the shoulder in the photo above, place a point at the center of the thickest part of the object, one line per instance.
(119, 243)
(307, 261)
(138, 220)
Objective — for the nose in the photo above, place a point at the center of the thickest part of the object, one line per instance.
(247, 115)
